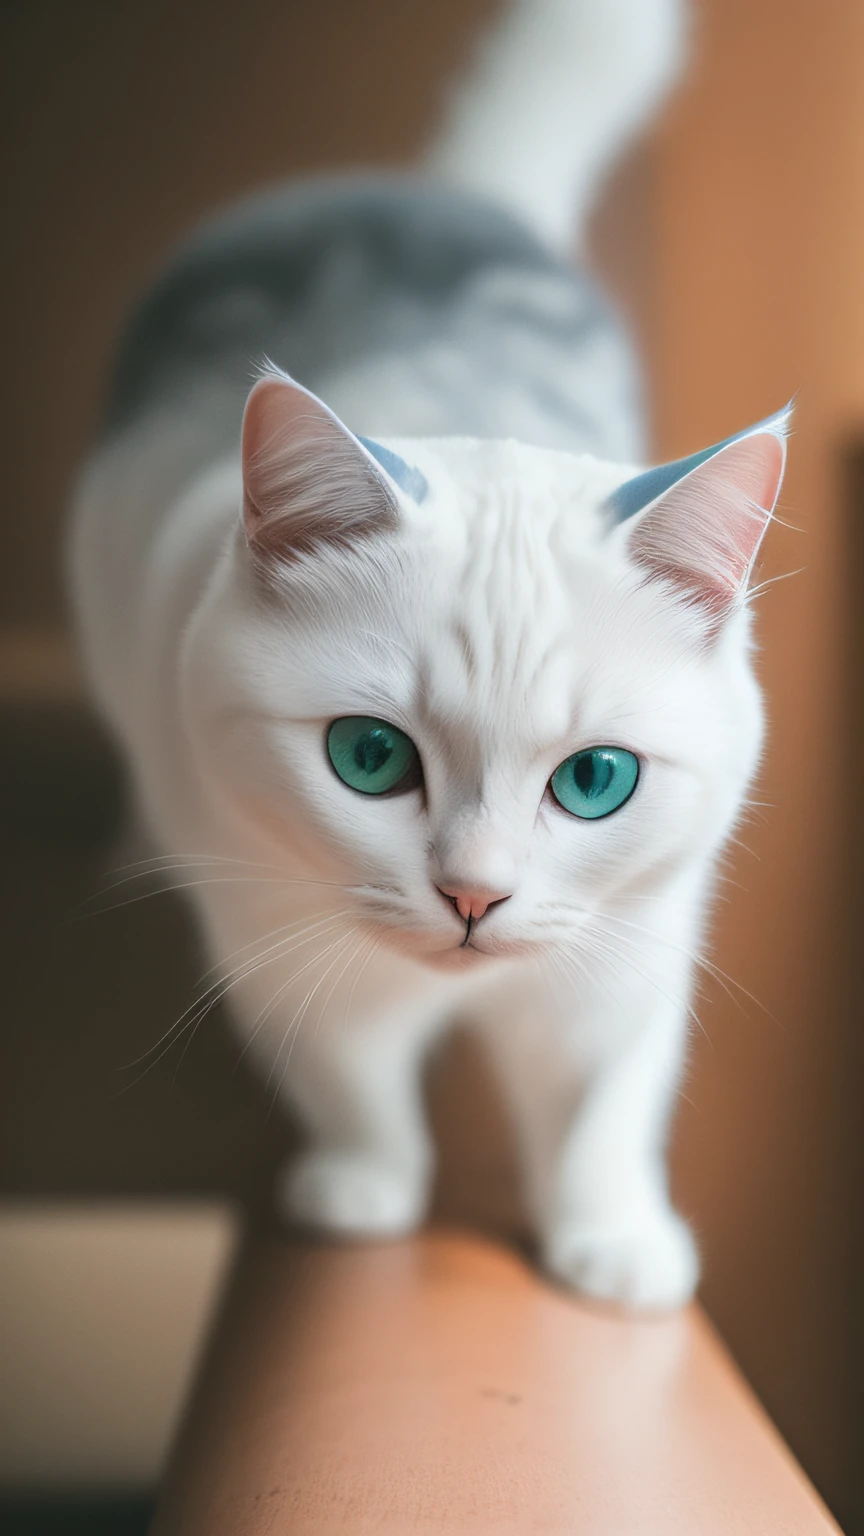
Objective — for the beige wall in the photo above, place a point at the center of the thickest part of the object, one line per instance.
(104, 1309)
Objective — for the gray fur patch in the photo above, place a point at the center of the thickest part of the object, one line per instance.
(331, 277)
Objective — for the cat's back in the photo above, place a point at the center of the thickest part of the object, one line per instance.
(414, 308)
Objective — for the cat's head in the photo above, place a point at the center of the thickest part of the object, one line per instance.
(478, 680)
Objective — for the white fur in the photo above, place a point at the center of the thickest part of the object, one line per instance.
(558, 89)
(503, 625)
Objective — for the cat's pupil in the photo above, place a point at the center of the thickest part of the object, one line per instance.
(593, 774)
(372, 751)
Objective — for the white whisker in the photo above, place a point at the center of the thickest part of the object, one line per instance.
(186, 885)
(726, 981)
(219, 989)
(297, 1022)
(268, 1009)
(256, 964)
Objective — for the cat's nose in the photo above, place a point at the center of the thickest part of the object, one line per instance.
(473, 903)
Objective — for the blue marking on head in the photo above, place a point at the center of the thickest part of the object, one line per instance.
(408, 479)
(636, 494)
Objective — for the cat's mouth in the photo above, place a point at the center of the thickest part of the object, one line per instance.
(457, 954)
(474, 950)
(459, 957)
(460, 948)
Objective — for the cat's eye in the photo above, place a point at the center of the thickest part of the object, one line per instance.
(372, 756)
(595, 782)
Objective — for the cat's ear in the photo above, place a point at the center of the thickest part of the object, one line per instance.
(698, 523)
(308, 483)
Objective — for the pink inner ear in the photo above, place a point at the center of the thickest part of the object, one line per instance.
(306, 482)
(703, 534)
(766, 461)
(281, 423)
(266, 418)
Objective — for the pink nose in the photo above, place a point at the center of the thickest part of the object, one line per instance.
(472, 904)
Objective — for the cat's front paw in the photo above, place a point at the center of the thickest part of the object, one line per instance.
(652, 1265)
(354, 1195)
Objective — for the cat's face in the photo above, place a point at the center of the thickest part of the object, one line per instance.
(484, 707)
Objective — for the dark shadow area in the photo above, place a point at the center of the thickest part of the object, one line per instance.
(75, 1517)
(95, 973)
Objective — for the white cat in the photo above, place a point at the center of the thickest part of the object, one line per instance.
(447, 723)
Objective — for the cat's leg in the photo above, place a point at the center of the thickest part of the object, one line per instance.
(591, 1094)
(354, 1079)
(358, 1092)
(608, 1227)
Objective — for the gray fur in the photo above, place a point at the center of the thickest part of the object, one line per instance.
(493, 335)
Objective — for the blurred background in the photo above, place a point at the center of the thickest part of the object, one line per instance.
(734, 241)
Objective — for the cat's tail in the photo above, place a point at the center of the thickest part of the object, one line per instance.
(556, 90)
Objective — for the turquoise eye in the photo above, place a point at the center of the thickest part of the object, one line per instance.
(372, 756)
(595, 782)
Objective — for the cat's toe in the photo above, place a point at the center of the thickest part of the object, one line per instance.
(353, 1195)
(654, 1265)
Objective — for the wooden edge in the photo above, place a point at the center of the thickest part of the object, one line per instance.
(439, 1384)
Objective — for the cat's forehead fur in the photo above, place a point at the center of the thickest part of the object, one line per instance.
(535, 486)
(505, 614)
(510, 551)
